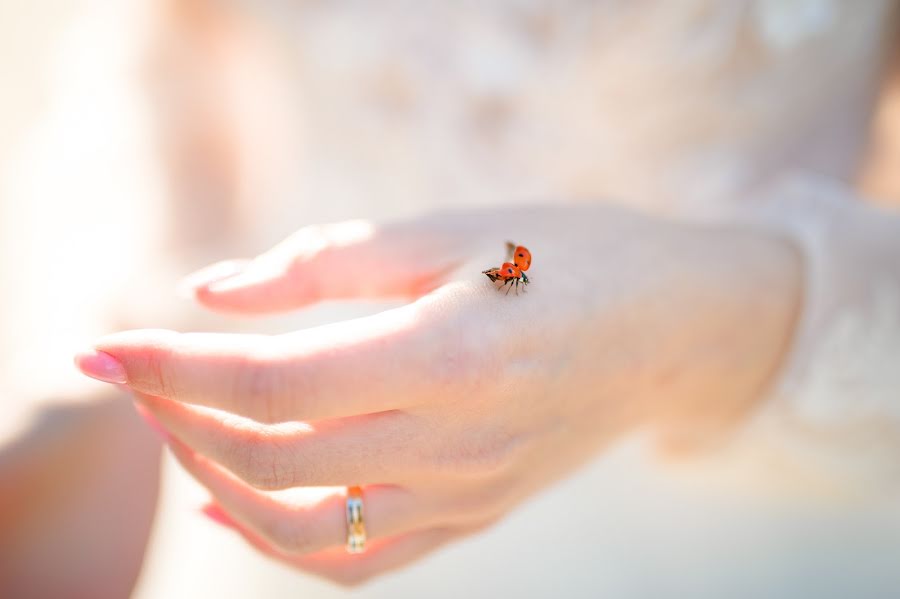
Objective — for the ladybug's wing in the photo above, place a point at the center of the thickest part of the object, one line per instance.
(508, 270)
(510, 250)
(522, 258)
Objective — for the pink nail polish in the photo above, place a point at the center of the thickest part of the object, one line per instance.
(217, 514)
(101, 366)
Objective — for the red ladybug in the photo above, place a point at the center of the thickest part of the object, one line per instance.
(519, 254)
(512, 271)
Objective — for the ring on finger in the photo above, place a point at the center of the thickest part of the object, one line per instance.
(356, 527)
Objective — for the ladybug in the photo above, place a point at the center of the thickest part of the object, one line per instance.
(520, 255)
(513, 271)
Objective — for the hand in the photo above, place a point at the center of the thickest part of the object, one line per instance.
(79, 481)
(452, 409)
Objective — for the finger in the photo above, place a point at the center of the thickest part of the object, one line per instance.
(381, 555)
(391, 360)
(364, 450)
(346, 260)
(316, 521)
(210, 274)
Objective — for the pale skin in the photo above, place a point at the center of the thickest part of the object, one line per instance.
(453, 408)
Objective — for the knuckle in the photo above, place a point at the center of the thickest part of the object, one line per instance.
(465, 357)
(482, 459)
(255, 457)
(159, 363)
(260, 390)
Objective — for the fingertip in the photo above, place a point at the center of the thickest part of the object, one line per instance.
(128, 357)
(217, 515)
(193, 283)
(124, 344)
(251, 301)
(249, 278)
(258, 290)
(101, 366)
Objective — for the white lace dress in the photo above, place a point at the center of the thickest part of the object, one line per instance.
(715, 109)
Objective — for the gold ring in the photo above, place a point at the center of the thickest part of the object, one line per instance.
(356, 527)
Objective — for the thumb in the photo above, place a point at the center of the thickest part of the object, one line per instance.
(350, 260)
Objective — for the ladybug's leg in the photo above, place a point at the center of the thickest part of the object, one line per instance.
(509, 281)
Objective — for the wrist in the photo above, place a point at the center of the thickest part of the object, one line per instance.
(742, 299)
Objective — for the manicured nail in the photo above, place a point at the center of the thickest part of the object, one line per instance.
(101, 366)
(208, 275)
(152, 422)
(217, 514)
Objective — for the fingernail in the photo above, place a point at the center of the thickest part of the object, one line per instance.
(101, 366)
(151, 420)
(241, 280)
(208, 275)
(217, 514)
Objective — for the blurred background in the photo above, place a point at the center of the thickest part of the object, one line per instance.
(141, 139)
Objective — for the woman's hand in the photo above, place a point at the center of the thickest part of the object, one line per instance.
(455, 407)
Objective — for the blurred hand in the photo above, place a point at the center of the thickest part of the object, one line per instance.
(455, 407)
(78, 489)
